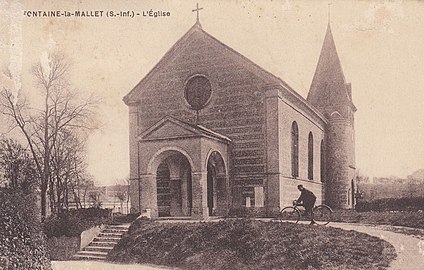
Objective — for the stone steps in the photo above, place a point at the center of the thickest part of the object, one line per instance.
(109, 235)
(106, 239)
(99, 248)
(103, 243)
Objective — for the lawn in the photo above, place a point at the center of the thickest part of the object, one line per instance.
(250, 244)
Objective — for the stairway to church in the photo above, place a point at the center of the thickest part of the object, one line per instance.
(102, 243)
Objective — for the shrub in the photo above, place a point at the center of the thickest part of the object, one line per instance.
(413, 219)
(391, 204)
(22, 243)
(119, 219)
(74, 222)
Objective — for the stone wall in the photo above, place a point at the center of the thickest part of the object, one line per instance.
(63, 248)
(340, 163)
(306, 125)
(237, 109)
(88, 235)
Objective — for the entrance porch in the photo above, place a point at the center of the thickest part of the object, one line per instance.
(183, 171)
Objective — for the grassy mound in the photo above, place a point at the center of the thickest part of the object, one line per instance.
(250, 244)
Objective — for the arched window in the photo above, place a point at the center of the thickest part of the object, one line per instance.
(295, 150)
(310, 156)
(322, 162)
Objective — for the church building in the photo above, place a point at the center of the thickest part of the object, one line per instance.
(211, 133)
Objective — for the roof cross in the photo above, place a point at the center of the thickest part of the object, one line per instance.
(197, 9)
(329, 12)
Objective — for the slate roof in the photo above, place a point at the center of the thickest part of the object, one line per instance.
(329, 80)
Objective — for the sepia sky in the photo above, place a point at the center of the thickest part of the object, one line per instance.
(380, 44)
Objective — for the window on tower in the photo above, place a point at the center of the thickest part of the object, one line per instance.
(310, 156)
(322, 162)
(295, 149)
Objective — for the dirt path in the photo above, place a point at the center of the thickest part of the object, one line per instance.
(91, 265)
(409, 249)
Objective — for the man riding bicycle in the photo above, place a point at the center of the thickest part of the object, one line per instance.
(307, 199)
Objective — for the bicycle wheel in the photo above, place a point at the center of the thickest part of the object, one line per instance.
(322, 214)
(289, 214)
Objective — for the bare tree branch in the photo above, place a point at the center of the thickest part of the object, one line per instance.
(64, 116)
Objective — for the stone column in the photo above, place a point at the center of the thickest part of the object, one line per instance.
(134, 194)
(149, 198)
(184, 195)
(134, 158)
(215, 195)
(273, 153)
(200, 196)
(222, 190)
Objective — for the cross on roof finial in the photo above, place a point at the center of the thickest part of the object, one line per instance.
(329, 12)
(197, 9)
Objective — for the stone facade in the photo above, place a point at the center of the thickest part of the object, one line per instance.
(235, 151)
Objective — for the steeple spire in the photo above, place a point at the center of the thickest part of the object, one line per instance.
(329, 86)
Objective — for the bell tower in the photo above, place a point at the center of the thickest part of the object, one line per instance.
(332, 96)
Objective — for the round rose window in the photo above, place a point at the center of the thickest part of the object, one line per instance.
(198, 90)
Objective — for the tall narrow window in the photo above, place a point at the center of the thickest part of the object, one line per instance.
(322, 162)
(310, 156)
(295, 150)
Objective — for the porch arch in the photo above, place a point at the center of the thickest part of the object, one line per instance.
(213, 153)
(163, 154)
(217, 184)
(172, 174)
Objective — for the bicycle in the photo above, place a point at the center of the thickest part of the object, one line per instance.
(321, 214)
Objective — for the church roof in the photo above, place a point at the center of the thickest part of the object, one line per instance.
(196, 29)
(329, 81)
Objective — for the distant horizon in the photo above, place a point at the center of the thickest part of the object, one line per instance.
(110, 56)
(370, 178)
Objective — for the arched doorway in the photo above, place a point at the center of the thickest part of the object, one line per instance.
(174, 185)
(217, 185)
(351, 195)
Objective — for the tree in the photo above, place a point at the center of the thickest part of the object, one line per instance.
(95, 199)
(17, 167)
(121, 196)
(84, 184)
(417, 176)
(68, 168)
(62, 109)
(362, 178)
